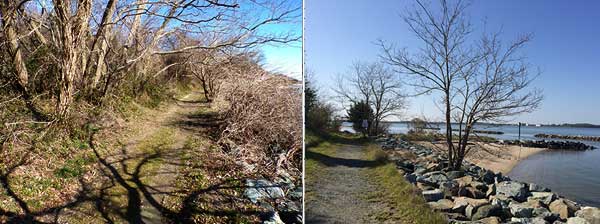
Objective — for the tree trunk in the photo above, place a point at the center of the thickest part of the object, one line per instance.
(449, 131)
(8, 20)
(9, 13)
(462, 148)
(102, 35)
(100, 68)
(73, 31)
(204, 87)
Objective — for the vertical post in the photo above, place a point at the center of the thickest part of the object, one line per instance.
(520, 148)
(519, 133)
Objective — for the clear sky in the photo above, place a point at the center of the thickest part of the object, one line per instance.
(566, 47)
(285, 58)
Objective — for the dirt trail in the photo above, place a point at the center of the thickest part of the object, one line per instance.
(148, 164)
(341, 189)
(163, 179)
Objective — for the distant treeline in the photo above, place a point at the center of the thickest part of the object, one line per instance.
(574, 137)
(575, 125)
(484, 132)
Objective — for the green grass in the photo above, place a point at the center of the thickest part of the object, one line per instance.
(394, 190)
(75, 167)
(407, 205)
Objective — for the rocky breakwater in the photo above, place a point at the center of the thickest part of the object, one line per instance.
(559, 145)
(573, 137)
(477, 195)
(281, 199)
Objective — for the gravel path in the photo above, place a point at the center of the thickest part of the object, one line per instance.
(339, 193)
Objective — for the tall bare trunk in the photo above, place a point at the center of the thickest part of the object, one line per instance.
(73, 31)
(132, 38)
(451, 156)
(9, 13)
(101, 68)
(102, 36)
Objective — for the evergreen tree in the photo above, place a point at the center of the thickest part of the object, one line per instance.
(358, 112)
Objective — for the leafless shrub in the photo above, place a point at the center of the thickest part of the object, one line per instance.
(263, 120)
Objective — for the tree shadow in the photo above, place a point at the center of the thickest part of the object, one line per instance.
(205, 123)
(335, 161)
(126, 172)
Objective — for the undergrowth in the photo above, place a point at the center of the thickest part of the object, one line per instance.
(394, 190)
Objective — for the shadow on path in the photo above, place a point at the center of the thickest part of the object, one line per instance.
(123, 192)
(335, 161)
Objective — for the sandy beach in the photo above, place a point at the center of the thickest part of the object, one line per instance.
(495, 157)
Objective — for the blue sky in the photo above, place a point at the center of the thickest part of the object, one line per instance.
(285, 58)
(566, 47)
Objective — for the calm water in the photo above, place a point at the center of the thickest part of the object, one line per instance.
(575, 175)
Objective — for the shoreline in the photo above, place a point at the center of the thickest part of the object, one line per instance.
(492, 156)
(476, 193)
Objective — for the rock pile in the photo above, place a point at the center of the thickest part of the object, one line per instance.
(562, 145)
(574, 137)
(477, 195)
(280, 198)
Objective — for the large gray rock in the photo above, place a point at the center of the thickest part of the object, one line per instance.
(435, 177)
(411, 178)
(470, 211)
(564, 208)
(520, 210)
(487, 211)
(464, 181)
(433, 195)
(455, 174)
(515, 220)
(487, 176)
(261, 188)
(479, 185)
(501, 200)
(490, 220)
(476, 203)
(544, 197)
(455, 217)
(515, 190)
(577, 220)
(420, 170)
(296, 194)
(459, 207)
(406, 166)
(450, 188)
(273, 218)
(470, 192)
(545, 214)
(537, 188)
(590, 214)
(443, 205)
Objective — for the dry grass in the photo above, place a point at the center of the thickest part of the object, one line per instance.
(263, 121)
(409, 206)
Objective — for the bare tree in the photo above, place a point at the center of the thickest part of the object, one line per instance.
(377, 86)
(209, 68)
(95, 45)
(8, 20)
(478, 81)
(71, 24)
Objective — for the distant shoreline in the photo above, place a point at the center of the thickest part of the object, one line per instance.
(566, 125)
